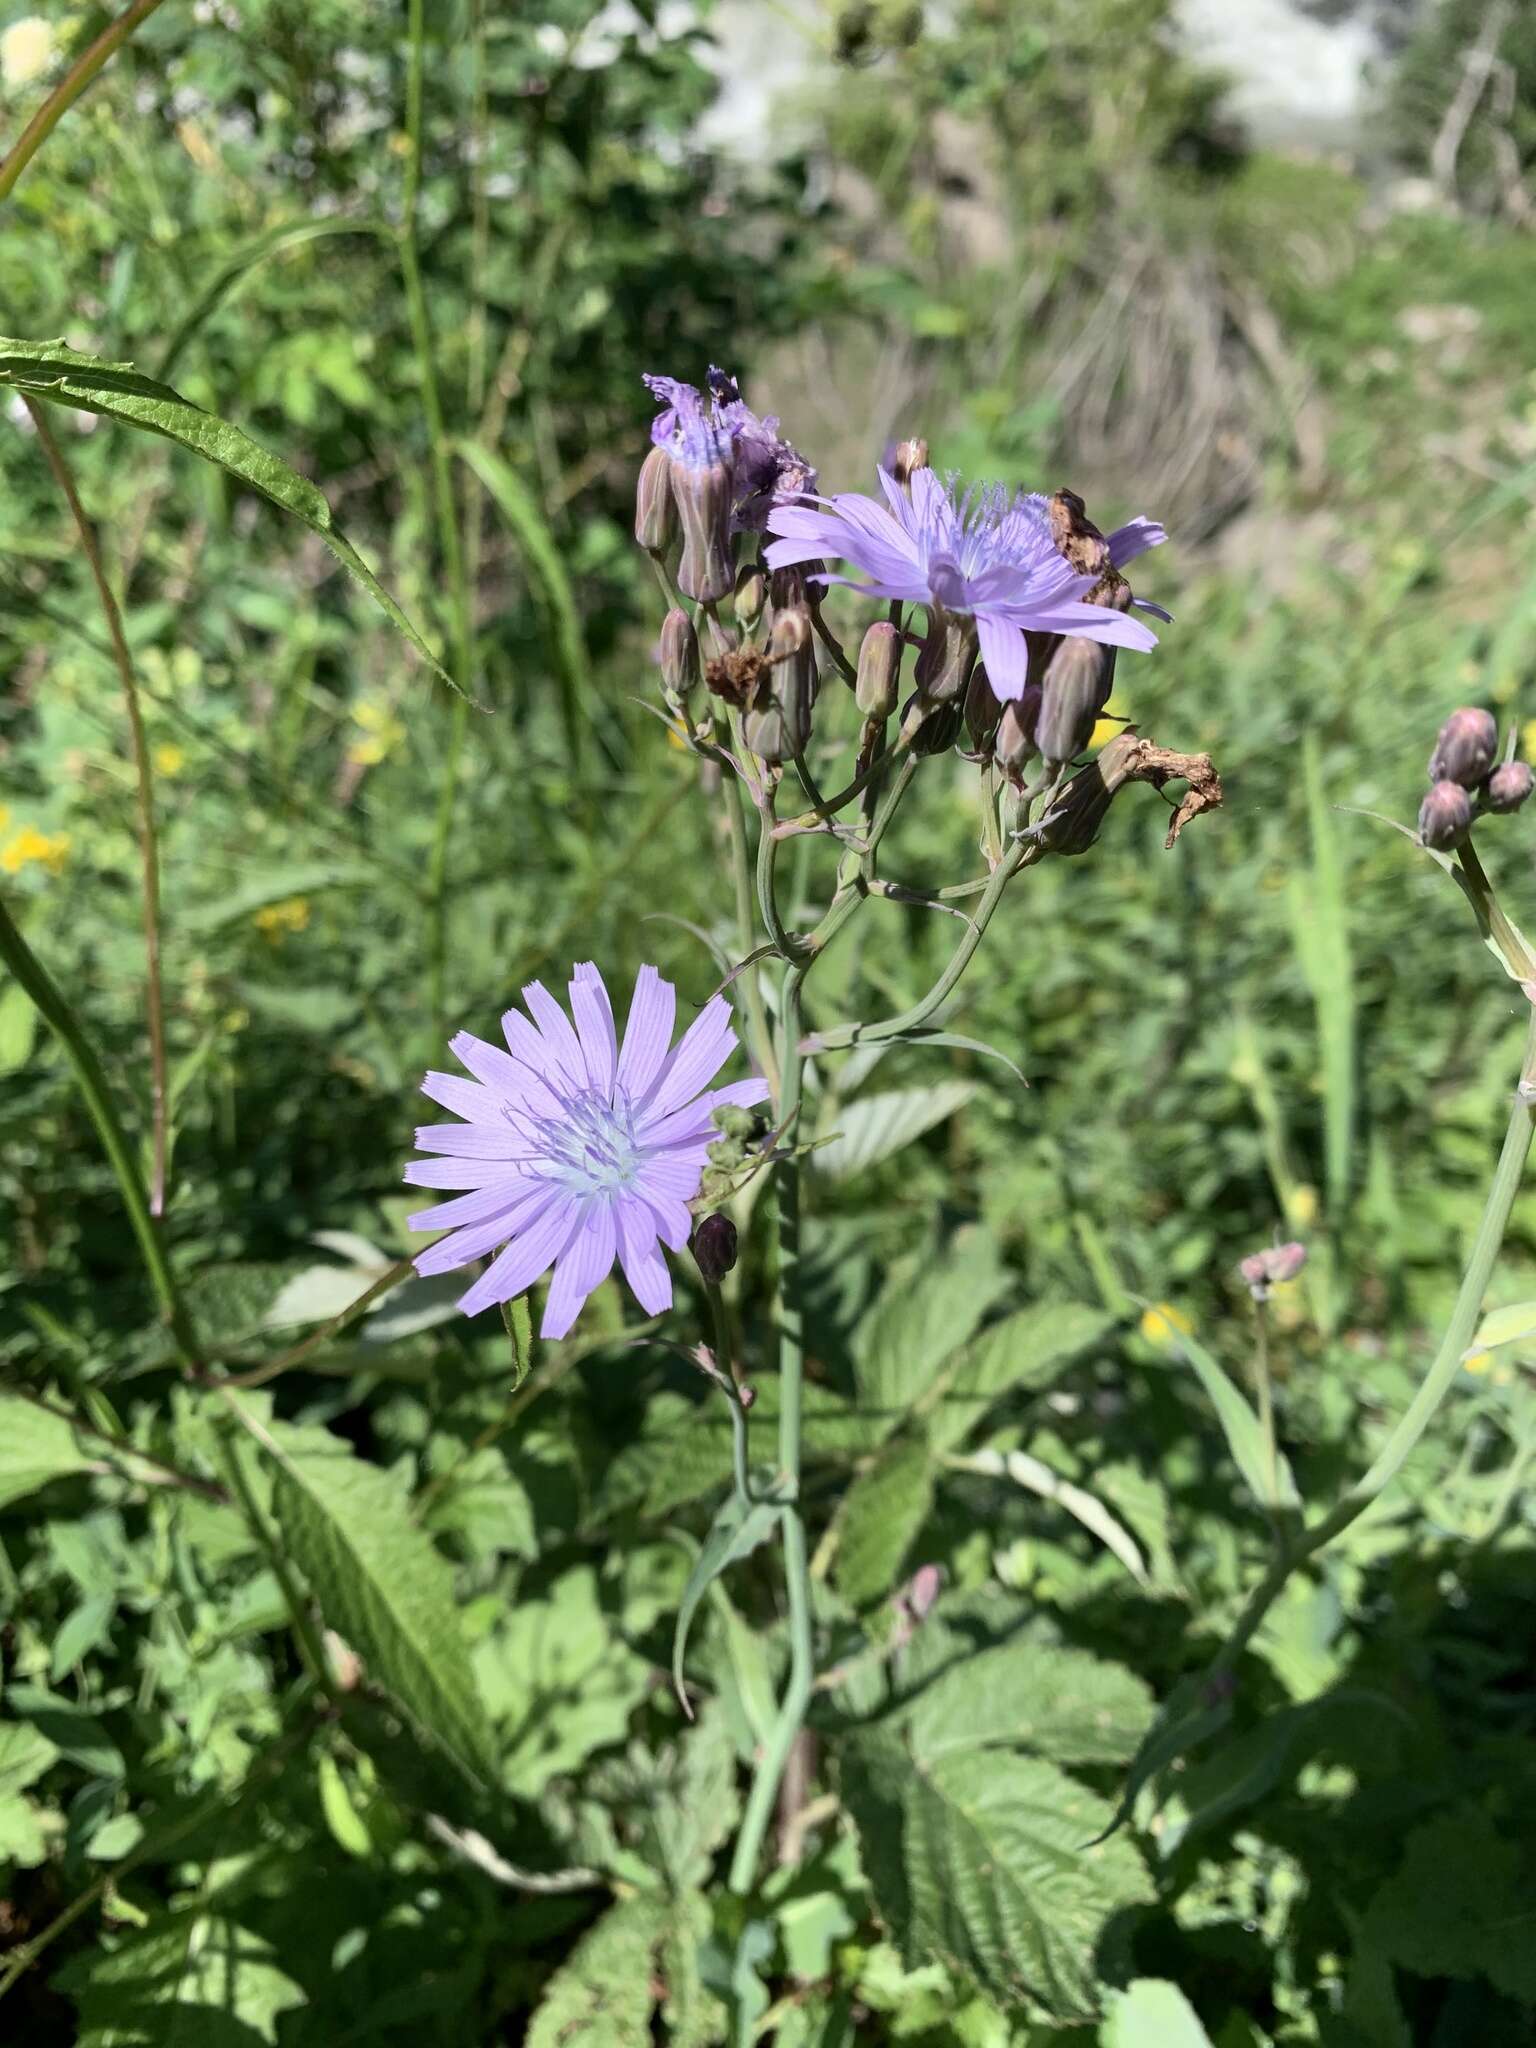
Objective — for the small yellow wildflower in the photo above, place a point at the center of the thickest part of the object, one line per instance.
(1164, 1324)
(1301, 1209)
(382, 732)
(275, 920)
(170, 759)
(1528, 739)
(26, 50)
(48, 849)
(1113, 721)
(1479, 1362)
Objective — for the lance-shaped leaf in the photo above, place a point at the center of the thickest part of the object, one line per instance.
(738, 1528)
(1268, 1475)
(59, 375)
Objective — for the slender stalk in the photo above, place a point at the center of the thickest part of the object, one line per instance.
(259, 1375)
(68, 90)
(447, 517)
(311, 1648)
(797, 1693)
(149, 853)
(61, 1020)
(741, 870)
(784, 942)
(123, 1447)
(1437, 1382)
(1264, 1390)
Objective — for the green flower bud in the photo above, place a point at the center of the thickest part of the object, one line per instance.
(1073, 822)
(947, 657)
(1464, 752)
(681, 666)
(1014, 745)
(1445, 816)
(879, 670)
(751, 596)
(779, 723)
(1509, 786)
(1075, 690)
(655, 512)
(714, 1246)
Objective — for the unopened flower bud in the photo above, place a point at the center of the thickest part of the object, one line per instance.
(982, 712)
(714, 1246)
(934, 728)
(1272, 1266)
(1464, 752)
(1073, 694)
(1073, 822)
(702, 491)
(681, 667)
(655, 513)
(879, 666)
(1445, 816)
(1508, 786)
(909, 456)
(947, 657)
(1014, 744)
(751, 596)
(779, 724)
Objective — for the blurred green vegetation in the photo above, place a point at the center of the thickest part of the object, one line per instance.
(1043, 247)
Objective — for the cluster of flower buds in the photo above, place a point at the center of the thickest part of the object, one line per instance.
(1272, 1267)
(1464, 782)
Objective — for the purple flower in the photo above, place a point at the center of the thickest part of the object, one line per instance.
(698, 431)
(986, 556)
(575, 1149)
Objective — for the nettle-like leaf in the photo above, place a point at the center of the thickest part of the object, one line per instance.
(607, 1989)
(383, 1587)
(35, 1448)
(977, 1860)
(926, 1311)
(879, 1519)
(1152, 2013)
(875, 1126)
(1057, 1701)
(1028, 1349)
(53, 372)
(189, 1980)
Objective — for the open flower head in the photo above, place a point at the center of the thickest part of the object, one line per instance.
(701, 428)
(984, 554)
(574, 1149)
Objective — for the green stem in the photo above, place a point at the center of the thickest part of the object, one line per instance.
(68, 90)
(311, 1648)
(797, 1693)
(741, 870)
(1264, 1389)
(61, 1020)
(149, 849)
(1437, 1381)
(784, 941)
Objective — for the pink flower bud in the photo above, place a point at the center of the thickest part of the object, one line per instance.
(1509, 786)
(655, 513)
(1270, 1267)
(1445, 816)
(1464, 752)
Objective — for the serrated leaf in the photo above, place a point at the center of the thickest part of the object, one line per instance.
(191, 1980)
(738, 1528)
(384, 1588)
(1059, 1702)
(36, 1447)
(880, 1517)
(317, 1293)
(1459, 1905)
(603, 1991)
(875, 1126)
(1152, 2013)
(1030, 1348)
(977, 1861)
(925, 1313)
(25, 1753)
(60, 375)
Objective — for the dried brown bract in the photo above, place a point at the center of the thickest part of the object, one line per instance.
(736, 677)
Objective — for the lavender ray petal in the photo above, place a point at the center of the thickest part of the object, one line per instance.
(488, 1063)
(594, 1026)
(584, 1264)
(556, 1030)
(476, 1239)
(531, 1253)
(694, 1062)
(1006, 654)
(644, 1267)
(477, 1207)
(496, 1140)
(468, 1099)
(455, 1173)
(1133, 539)
(647, 1032)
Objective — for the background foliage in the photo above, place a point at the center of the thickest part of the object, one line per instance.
(342, 1701)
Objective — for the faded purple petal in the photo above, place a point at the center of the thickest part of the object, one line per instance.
(1133, 539)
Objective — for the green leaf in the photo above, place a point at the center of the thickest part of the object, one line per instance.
(1030, 1348)
(926, 1312)
(341, 1816)
(977, 1860)
(1272, 1487)
(1501, 1326)
(35, 1448)
(25, 1753)
(1059, 1702)
(273, 885)
(18, 1027)
(1459, 1905)
(875, 1126)
(517, 1319)
(191, 1980)
(545, 569)
(383, 1587)
(738, 1528)
(603, 1991)
(60, 375)
(880, 1517)
(1320, 922)
(1152, 2013)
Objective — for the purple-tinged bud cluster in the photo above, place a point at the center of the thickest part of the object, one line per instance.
(714, 1246)
(1464, 782)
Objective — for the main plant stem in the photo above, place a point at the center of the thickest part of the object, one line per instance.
(1437, 1382)
(797, 1693)
(149, 853)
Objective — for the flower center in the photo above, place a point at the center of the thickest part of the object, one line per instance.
(593, 1149)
